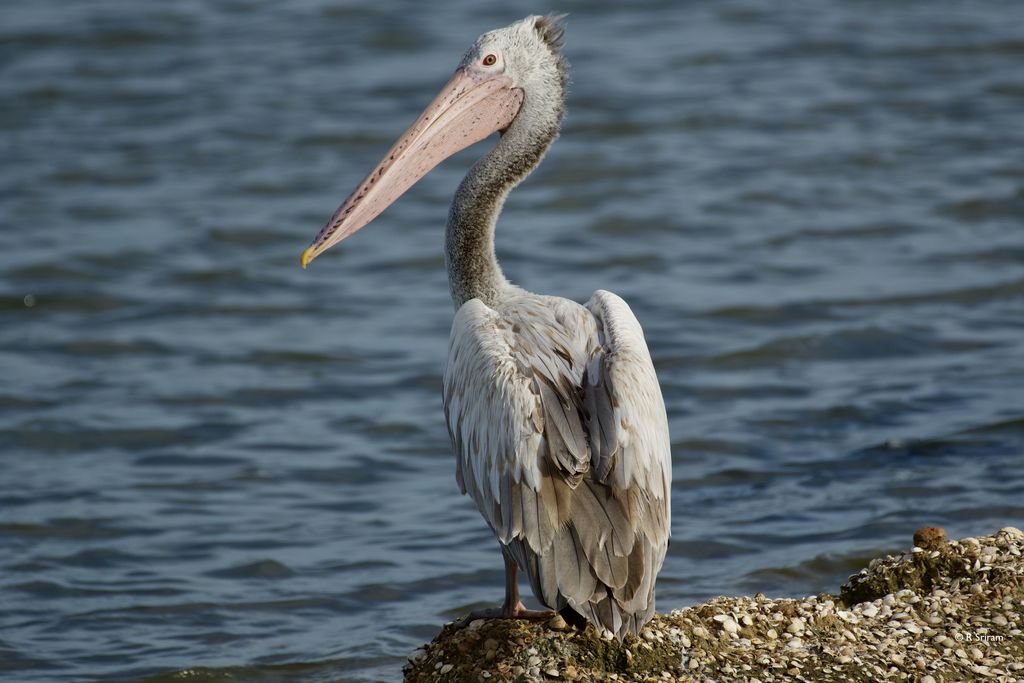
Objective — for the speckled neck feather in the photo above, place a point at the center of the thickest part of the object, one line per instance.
(473, 270)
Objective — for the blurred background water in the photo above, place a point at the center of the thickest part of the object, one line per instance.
(214, 461)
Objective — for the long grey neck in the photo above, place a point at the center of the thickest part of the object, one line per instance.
(473, 270)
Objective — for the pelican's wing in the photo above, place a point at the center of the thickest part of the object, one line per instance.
(514, 421)
(631, 449)
(586, 520)
(628, 426)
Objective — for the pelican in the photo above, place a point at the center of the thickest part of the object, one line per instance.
(554, 409)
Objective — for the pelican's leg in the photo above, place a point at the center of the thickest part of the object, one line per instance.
(512, 608)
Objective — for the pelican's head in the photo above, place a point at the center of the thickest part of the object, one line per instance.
(507, 75)
(528, 53)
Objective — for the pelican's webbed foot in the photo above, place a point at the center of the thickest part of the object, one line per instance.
(512, 608)
(506, 611)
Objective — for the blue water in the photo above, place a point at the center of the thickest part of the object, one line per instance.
(213, 461)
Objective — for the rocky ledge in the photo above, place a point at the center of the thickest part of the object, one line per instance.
(943, 611)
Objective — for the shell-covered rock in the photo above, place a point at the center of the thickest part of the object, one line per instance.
(953, 611)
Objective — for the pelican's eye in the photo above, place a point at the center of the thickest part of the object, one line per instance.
(490, 60)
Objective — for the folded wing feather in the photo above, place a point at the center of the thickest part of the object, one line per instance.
(560, 435)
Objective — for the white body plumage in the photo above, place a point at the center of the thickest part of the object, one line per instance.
(561, 438)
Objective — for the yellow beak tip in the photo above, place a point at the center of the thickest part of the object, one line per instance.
(307, 256)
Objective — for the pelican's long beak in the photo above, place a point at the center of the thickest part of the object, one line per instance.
(471, 106)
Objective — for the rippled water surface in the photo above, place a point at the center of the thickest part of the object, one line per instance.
(213, 460)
